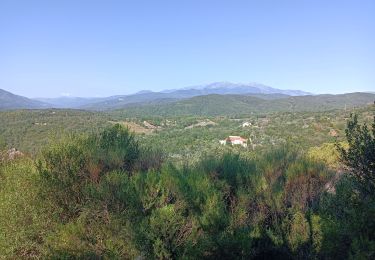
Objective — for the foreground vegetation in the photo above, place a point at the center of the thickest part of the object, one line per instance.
(107, 195)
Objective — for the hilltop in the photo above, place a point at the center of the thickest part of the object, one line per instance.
(231, 105)
(171, 95)
(10, 101)
(221, 98)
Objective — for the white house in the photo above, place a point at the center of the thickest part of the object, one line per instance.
(234, 140)
(246, 124)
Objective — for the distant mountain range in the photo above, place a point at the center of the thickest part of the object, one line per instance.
(235, 105)
(223, 88)
(69, 102)
(166, 96)
(206, 99)
(9, 101)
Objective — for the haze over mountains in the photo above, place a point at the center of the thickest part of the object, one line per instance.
(146, 96)
(237, 88)
(220, 96)
(10, 101)
(239, 105)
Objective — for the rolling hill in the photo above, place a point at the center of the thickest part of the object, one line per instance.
(220, 98)
(167, 96)
(238, 88)
(69, 102)
(9, 101)
(232, 105)
(146, 97)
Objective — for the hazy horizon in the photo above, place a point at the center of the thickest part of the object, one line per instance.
(97, 49)
(68, 95)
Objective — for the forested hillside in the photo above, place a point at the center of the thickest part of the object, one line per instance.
(239, 105)
(9, 101)
(209, 101)
(29, 130)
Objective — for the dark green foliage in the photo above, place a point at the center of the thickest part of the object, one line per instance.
(359, 158)
(349, 213)
(69, 166)
(150, 158)
(116, 148)
(235, 171)
(223, 207)
(103, 195)
(237, 105)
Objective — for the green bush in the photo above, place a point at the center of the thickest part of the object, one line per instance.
(103, 195)
(25, 219)
(67, 167)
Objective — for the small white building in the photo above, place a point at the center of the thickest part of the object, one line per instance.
(234, 140)
(246, 124)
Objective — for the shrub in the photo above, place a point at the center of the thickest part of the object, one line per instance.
(69, 166)
(359, 158)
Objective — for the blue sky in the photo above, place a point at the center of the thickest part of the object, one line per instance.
(100, 48)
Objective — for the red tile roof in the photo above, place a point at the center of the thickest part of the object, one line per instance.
(236, 138)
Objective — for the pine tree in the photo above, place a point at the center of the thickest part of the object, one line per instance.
(359, 158)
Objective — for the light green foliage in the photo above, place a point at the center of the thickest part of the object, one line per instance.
(316, 233)
(298, 233)
(30, 130)
(326, 153)
(3, 144)
(24, 217)
(93, 234)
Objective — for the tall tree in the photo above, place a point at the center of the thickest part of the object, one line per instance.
(359, 158)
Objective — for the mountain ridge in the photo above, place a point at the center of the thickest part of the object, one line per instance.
(234, 105)
(251, 97)
(238, 88)
(221, 88)
(9, 101)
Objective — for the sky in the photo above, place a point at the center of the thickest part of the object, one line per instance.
(95, 48)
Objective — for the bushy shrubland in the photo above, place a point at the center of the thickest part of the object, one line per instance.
(349, 213)
(24, 217)
(106, 196)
